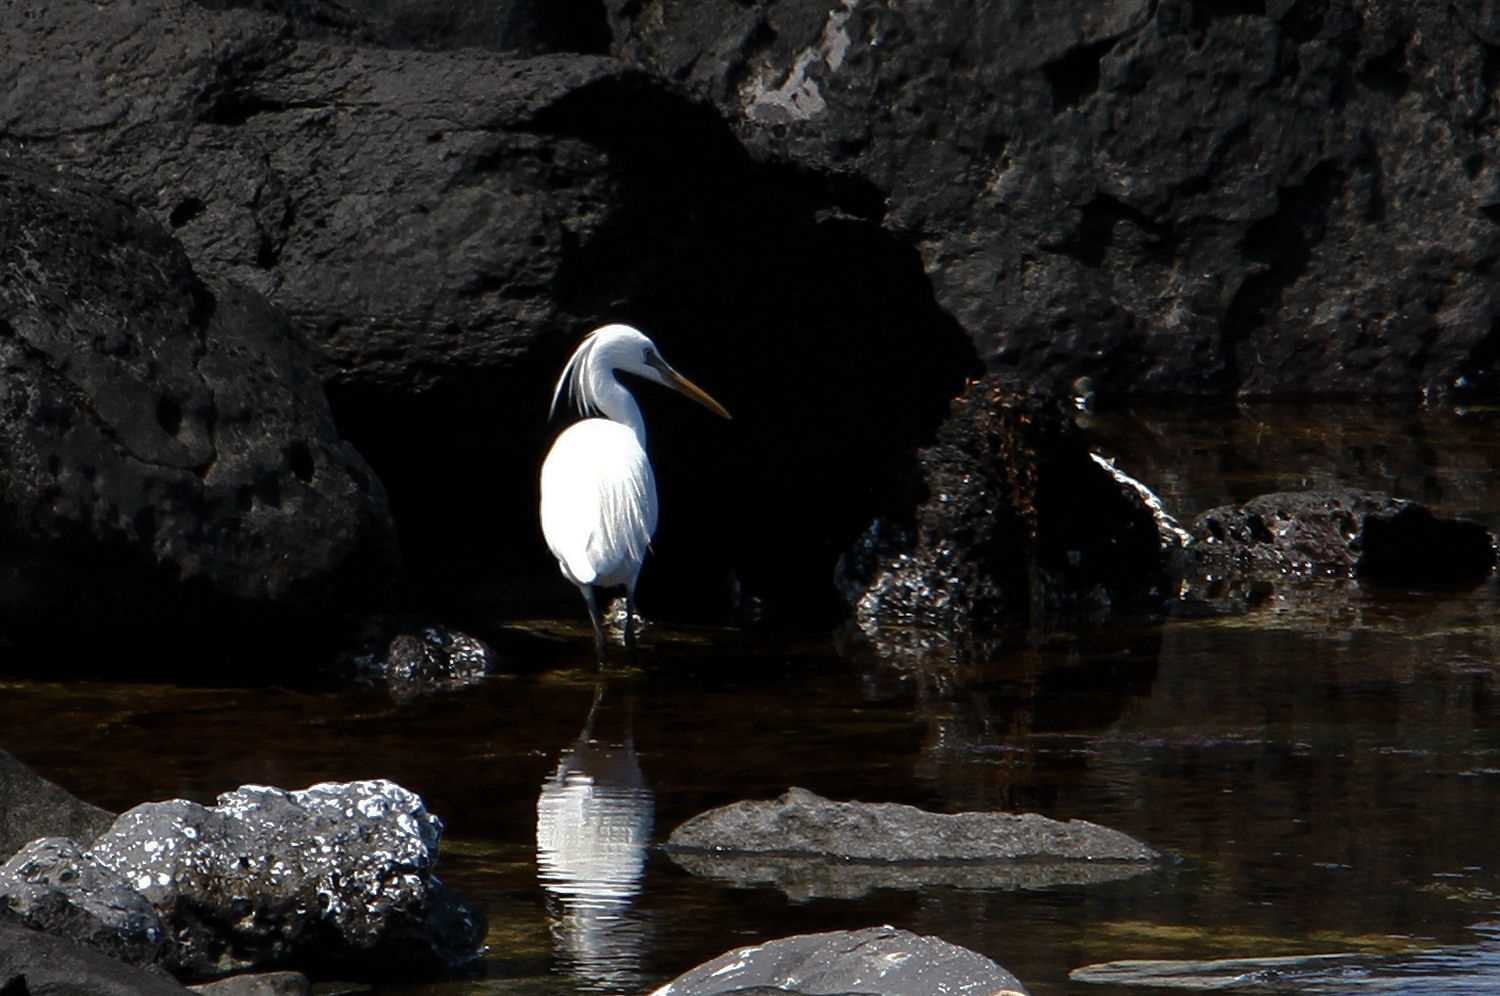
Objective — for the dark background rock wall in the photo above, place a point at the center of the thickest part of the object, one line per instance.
(828, 215)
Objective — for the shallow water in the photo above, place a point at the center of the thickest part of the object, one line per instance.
(1328, 767)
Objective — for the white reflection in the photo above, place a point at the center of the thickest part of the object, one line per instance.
(594, 821)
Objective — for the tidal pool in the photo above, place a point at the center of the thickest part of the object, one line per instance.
(1327, 766)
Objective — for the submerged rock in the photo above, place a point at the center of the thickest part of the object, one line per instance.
(876, 961)
(32, 807)
(336, 874)
(804, 823)
(260, 984)
(53, 885)
(1339, 534)
(1019, 523)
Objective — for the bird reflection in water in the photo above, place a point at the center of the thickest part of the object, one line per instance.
(594, 821)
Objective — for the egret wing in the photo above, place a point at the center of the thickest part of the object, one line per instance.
(598, 503)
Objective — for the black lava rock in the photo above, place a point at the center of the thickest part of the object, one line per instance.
(1174, 198)
(1339, 534)
(876, 961)
(1019, 524)
(168, 457)
(334, 876)
(32, 962)
(32, 807)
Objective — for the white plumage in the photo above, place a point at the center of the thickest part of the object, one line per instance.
(599, 506)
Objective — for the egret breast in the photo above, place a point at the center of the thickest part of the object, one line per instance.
(598, 503)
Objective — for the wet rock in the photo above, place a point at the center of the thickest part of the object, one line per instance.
(32, 807)
(168, 456)
(1338, 533)
(333, 875)
(802, 822)
(53, 885)
(32, 962)
(1019, 523)
(443, 226)
(876, 961)
(262, 984)
(1137, 192)
(418, 659)
(803, 878)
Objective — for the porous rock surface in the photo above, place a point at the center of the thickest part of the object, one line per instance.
(167, 451)
(876, 961)
(54, 885)
(1018, 523)
(1337, 533)
(803, 822)
(336, 874)
(1174, 197)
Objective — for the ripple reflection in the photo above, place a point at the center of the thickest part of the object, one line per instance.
(594, 822)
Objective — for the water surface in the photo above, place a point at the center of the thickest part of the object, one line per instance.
(1327, 767)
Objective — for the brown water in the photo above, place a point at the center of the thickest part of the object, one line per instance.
(1328, 767)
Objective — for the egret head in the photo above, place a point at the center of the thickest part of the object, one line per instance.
(620, 347)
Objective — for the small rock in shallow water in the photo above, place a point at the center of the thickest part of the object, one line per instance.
(876, 961)
(261, 984)
(803, 822)
(420, 659)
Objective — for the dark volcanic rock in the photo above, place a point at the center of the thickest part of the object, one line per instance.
(54, 885)
(1345, 534)
(32, 807)
(802, 822)
(876, 961)
(334, 875)
(444, 226)
(1018, 523)
(167, 454)
(1174, 197)
(413, 659)
(32, 962)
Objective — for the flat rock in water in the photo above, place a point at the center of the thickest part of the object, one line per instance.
(802, 877)
(1338, 533)
(805, 823)
(32, 807)
(260, 984)
(877, 961)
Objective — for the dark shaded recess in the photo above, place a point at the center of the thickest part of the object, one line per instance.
(1097, 229)
(1480, 374)
(1280, 247)
(1386, 74)
(1205, 12)
(524, 27)
(816, 329)
(1413, 547)
(1074, 76)
(186, 210)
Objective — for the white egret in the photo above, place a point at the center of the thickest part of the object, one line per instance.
(598, 493)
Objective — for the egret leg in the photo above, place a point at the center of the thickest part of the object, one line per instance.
(630, 620)
(591, 598)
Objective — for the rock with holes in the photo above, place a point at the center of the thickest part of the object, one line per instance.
(1305, 535)
(444, 225)
(168, 456)
(54, 885)
(1174, 197)
(333, 875)
(1018, 524)
(876, 961)
(413, 659)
